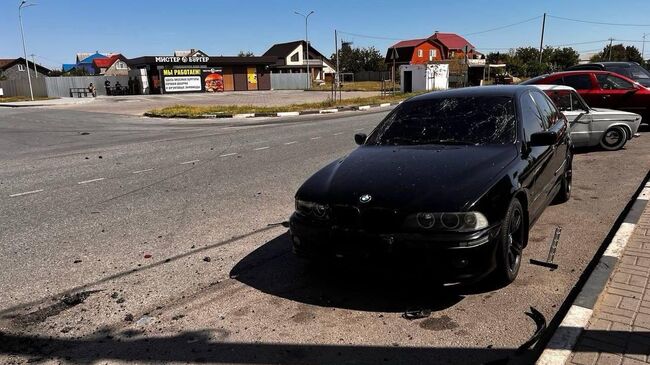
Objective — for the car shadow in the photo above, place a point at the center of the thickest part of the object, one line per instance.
(368, 286)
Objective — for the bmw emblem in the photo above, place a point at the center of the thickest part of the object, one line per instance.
(365, 198)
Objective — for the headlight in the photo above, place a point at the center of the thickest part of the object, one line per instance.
(319, 211)
(453, 222)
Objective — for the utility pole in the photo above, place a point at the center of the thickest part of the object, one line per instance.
(335, 80)
(24, 4)
(541, 41)
(643, 48)
(609, 58)
(307, 44)
(34, 63)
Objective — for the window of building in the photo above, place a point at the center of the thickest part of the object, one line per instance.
(121, 66)
(419, 53)
(294, 57)
(21, 67)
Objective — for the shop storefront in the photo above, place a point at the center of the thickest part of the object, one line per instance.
(172, 74)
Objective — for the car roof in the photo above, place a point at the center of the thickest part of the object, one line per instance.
(545, 87)
(494, 90)
(605, 63)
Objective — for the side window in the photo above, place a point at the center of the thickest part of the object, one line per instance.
(419, 53)
(562, 99)
(625, 71)
(294, 57)
(578, 82)
(532, 122)
(546, 109)
(611, 82)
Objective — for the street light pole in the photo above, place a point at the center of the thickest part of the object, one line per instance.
(307, 43)
(24, 4)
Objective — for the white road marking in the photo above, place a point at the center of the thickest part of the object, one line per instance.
(89, 181)
(287, 114)
(188, 162)
(141, 171)
(292, 142)
(623, 234)
(364, 107)
(26, 193)
(338, 134)
(228, 154)
(315, 138)
(559, 348)
(261, 148)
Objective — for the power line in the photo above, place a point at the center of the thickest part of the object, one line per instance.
(504, 26)
(370, 36)
(600, 23)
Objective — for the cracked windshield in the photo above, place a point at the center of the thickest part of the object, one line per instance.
(310, 183)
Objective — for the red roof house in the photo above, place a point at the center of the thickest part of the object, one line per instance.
(115, 65)
(439, 46)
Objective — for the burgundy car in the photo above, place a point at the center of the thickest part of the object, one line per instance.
(603, 89)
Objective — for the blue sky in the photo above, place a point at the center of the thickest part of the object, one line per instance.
(56, 29)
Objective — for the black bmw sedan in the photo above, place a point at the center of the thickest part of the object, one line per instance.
(450, 179)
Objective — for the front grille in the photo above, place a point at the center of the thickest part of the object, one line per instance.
(367, 218)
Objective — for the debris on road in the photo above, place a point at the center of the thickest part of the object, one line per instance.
(416, 314)
(76, 261)
(207, 259)
(144, 320)
(551, 252)
(540, 322)
(128, 317)
(147, 256)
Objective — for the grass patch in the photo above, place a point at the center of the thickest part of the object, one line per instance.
(13, 99)
(196, 111)
(355, 86)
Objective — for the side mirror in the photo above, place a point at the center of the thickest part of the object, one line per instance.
(360, 138)
(545, 138)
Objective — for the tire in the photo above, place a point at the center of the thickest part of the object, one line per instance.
(614, 138)
(564, 194)
(513, 237)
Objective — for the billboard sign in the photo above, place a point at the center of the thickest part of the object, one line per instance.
(213, 80)
(182, 80)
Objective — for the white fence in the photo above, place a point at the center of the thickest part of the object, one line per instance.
(59, 86)
(296, 81)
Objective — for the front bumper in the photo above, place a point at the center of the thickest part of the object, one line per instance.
(451, 257)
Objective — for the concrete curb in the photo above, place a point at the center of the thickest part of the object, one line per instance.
(283, 114)
(51, 102)
(560, 346)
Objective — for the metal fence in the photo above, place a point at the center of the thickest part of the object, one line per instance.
(20, 87)
(372, 76)
(297, 81)
(59, 86)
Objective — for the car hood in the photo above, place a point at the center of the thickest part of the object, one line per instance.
(611, 113)
(410, 178)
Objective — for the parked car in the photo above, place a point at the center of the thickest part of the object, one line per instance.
(451, 179)
(610, 129)
(602, 89)
(630, 70)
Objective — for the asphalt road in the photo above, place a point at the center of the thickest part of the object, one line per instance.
(167, 233)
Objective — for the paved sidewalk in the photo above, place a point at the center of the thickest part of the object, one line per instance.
(48, 102)
(619, 330)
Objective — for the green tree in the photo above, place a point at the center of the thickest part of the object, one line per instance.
(359, 59)
(618, 52)
(2, 76)
(245, 54)
(561, 58)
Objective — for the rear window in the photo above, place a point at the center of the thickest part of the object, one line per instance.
(463, 120)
